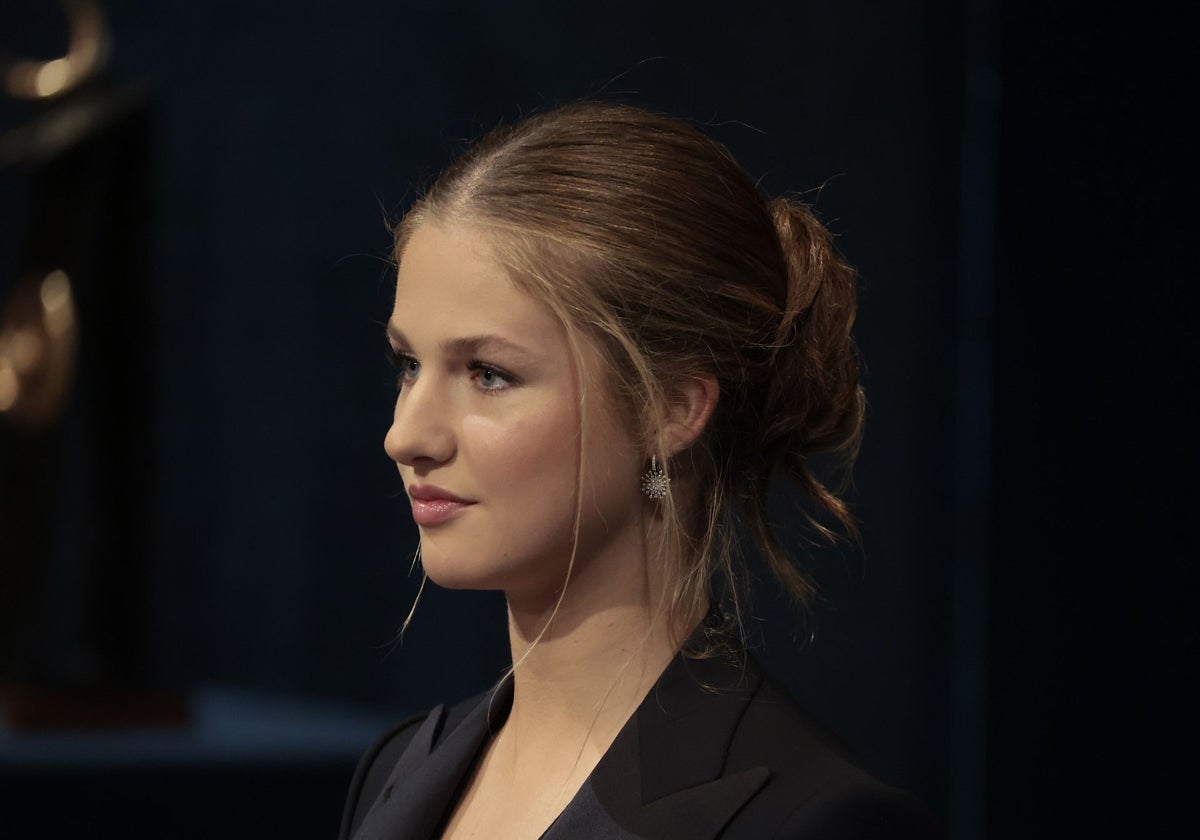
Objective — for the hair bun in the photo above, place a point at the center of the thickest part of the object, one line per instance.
(814, 402)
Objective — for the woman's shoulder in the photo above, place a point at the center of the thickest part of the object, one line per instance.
(817, 788)
(860, 810)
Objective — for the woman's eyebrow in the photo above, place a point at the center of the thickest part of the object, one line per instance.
(474, 344)
(396, 335)
(469, 345)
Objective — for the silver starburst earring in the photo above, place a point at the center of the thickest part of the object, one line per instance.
(655, 483)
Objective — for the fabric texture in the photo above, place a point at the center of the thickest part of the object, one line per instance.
(716, 750)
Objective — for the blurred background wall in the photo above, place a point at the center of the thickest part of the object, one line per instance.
(992, 168)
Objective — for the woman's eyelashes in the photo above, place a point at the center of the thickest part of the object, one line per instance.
(487, 377)
(406, 365)
(490, 377)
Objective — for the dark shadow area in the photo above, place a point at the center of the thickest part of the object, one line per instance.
(293, 800)
(1095, 410)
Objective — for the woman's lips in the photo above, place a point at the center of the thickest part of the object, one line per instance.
(433, 505)
(436, 511)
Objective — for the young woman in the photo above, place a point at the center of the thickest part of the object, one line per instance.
(608, 345)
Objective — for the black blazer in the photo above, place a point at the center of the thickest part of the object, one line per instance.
(717, 749)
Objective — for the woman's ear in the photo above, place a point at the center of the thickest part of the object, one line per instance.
(693, 401)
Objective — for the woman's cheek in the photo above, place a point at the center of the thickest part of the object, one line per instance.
(540, 443)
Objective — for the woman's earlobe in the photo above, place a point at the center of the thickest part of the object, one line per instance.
(693, 402)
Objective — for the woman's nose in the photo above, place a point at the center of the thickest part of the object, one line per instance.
(421, 431)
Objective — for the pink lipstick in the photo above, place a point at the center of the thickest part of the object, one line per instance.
(432, 505)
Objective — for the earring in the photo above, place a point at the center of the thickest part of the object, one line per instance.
(655, 483)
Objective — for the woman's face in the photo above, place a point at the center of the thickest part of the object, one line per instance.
(486, 427)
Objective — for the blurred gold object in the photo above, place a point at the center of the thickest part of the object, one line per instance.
(87, 49)
(37, 350)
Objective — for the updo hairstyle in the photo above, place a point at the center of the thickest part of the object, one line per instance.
(647, 238)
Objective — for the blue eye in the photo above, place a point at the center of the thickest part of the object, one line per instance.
(406, 365)
(489, 377)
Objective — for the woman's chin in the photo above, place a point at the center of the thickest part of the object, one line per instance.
(449, 573)
(452, 578)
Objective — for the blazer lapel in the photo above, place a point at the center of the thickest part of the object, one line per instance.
(413, 803)
(662, 776)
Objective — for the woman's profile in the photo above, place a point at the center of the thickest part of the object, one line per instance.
(609, 344)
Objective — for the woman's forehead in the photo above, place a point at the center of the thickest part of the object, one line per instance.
(451, 288)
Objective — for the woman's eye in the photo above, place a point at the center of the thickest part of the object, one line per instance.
(407, 366)
(488, 377)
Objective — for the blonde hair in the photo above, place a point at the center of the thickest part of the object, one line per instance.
(645, 236)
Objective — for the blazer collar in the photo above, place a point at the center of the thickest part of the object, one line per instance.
(662, 776)
(430, 771)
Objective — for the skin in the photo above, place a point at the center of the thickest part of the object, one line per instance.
(489, 411)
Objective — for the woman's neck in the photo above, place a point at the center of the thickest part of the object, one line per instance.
(587, 673)
(584, 662)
